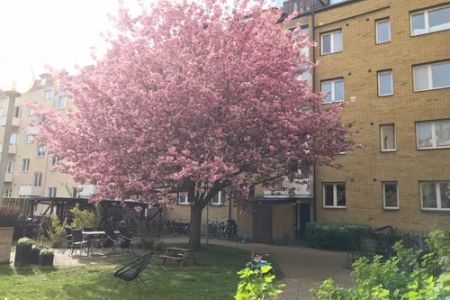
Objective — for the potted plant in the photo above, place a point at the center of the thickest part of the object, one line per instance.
(23, 252)
(34, 257)
(46, 257)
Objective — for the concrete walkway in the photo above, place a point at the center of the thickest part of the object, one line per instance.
(303, 268)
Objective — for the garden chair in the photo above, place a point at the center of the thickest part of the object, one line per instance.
(67, 239)
(77, 240)
(132, 271)
(127, 238)
(111, 237)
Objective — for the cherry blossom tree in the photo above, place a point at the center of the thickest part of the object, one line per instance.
(195, 98)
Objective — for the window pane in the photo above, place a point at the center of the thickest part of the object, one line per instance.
(442, 133)
(340, 194)
(326, 88)
(337, 41)
(390, 194)
(421, 78)
(388, 137)
(385, 83)
(429, 195)
(418, 23)
(339, 90)
(445, 194)
(329, 195)
(326, 43)
(424, 135)
(383, 31)
(439, 19)
(441, 75)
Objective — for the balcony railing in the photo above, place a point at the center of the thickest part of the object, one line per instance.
(298, 188)
(15, 122)
(29, 190)
(8, 177)
(87, 190)
(12, 149)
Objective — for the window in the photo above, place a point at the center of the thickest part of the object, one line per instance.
(13, 139)
(433, 134)
(388, 139)
(17, 111)
(430, 20)
(48, 94)
(390, 195)
(30, 112)
(385, 83)
(334, 195)
(74, 192)
(10, 166)
(183, 198)
(435, 195)
(219, 199)
(61, 103)
(334, 90)
(55, 160)
(331, 42)
(38, 179)
(432, 76)
(7, 193)
(25, 164)
(52, 192)
(41, 150)
(383, 31)
(28, 139)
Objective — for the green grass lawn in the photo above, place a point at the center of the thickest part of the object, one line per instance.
(214, 278)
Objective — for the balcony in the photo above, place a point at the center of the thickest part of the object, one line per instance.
(12, 150)
(15, 122)
(87, 190)
(298, 188)
(8, 177)
(303, 6)
(29, 191)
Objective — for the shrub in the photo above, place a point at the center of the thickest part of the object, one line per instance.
(257, 284)
(334, 236)
(25, 241)
(84, 218)
(409, 275)
(57, 232)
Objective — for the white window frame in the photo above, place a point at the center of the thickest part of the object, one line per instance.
(17, 111)
(13, 138)
(331, 34)
(433, 135)
(183, 198)
(52, 192)
(425, 13)
(333, 90)
(379, 73)
(28, 139)
(41, 153)
(335, 184)
(37, 182)
(48, 94)
(26, 164)
(221, 199)
(7, 192)
(429, 77)
(438, 195)
(376, 30)
(381, 138)
(383, 184)
(10, 166)
(58, 102)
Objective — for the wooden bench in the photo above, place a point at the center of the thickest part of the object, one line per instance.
(177, 259)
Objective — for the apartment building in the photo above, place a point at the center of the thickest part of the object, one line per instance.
(394, 57)
(29, 170)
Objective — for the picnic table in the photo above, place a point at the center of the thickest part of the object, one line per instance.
(92, 235)
(178, 255)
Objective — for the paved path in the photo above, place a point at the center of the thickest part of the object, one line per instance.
(303, 268)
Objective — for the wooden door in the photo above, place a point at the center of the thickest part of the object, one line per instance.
(262, 223)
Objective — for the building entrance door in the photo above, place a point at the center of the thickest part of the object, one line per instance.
(262, 223)
(303, 218)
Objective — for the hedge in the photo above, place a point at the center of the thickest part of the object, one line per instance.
(335, 236)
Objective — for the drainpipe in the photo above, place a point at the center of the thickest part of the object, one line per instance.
(313, 33)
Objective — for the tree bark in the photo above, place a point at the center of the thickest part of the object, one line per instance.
(196, 224)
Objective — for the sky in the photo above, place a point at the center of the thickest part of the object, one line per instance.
(58, 33)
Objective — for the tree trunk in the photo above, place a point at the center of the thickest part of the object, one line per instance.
(196, 224)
